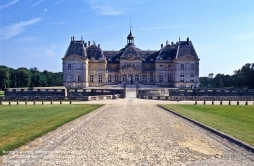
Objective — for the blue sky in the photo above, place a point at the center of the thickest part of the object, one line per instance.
(36, 33)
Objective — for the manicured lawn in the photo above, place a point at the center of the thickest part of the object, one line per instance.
(237, 121)
(21, 124)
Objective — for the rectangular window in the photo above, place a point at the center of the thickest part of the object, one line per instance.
(116, 78)
(124, 78)
(91, 78)
(109, 67)
(191, 78)
(169, 78)
(69, 66)
(182, 66)
(169, 67)
(68, 78)
(144, 78)
(109, 78)
(160, 78)
(100, 78)
(151, 78)
(181, 78)
(161, 67)
(192, 66)
(79, 78)
(117, 67)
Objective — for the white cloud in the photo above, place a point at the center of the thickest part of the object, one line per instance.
(102, 8)
(37, 3)
(114, 7)
(245, 36)
(9, 4)
(15, 29)
(45, 10)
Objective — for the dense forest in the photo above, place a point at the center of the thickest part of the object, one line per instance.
(242, 78)
(23, 77)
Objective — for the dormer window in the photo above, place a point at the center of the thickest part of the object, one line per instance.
(69, 66)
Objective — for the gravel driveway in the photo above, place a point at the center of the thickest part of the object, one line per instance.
(129, 132)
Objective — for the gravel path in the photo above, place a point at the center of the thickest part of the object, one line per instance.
(129, 132)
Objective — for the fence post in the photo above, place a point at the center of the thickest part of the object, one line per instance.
(60, 101)
(9, 102)
(34, 102)
(237, 102)
(204, 102)
(246, 103)
(229, 102)
(25, 102)
(17, 102)
(70, 102)
(42, 102)
(212, 102)
(51, 102)
(221, 102)
(196, 102)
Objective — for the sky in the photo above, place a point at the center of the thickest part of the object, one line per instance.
(37, 33)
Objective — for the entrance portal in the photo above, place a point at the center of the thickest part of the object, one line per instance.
(130, 79)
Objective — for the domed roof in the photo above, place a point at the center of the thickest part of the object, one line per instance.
(95, 53)
(130, 36)
(131, 50)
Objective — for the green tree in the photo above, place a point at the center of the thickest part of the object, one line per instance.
(4, 78)
(23, 78)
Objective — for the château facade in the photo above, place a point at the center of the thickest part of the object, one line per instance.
(87, 65)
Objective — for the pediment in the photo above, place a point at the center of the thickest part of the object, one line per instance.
(187, 57)
(74, 57)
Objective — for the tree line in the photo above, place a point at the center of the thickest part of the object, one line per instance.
(242, 78)
(23, 77)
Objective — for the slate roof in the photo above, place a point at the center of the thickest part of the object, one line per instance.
(185, 47)
(131, 50)
(95, 53)
(76, 47)
(167, 53)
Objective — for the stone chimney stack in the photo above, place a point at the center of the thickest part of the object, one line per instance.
(85, 45)
(188, 40)
(161, 45)
(99, 45)
(172, 43)
(88, 43)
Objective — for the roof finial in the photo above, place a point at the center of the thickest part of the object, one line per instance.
(130, 23)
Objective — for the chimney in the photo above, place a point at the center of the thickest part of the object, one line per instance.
(172, 43)
(73, 38)
(188, 40)
(85, 45)
(88, 43)
(99, 45)
(161, 45)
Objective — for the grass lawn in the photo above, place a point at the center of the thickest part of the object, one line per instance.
(1, 93)
(237, 121)
(21, 124)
